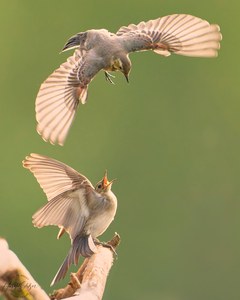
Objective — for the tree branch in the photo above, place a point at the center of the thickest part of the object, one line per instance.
(15, 280)
(89, 281)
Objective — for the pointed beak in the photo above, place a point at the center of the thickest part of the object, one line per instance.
(105, 181)
(127, 78)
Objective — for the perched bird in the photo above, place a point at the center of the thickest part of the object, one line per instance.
(74, 205)
(59, 96)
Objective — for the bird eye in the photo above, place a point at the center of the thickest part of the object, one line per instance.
(99, 186)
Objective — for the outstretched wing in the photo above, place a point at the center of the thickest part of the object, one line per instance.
(54, 176)
(68, 194)
(67, 210)
(58, 99)
(179, 33)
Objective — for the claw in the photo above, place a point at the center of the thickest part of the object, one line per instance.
(104, 244)
(109, 77)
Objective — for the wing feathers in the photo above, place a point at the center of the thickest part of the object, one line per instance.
(182, 34)
(64, 211)
(58, 100)
(51, 213)
(53, 176)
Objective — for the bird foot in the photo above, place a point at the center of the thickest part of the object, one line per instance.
(106, 245)
(109, 77)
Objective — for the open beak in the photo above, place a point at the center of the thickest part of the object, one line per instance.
(105, 181)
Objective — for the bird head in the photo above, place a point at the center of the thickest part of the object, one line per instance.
(104, 185)
(125, 66)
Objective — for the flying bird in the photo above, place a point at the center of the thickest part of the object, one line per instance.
(60, 94)
(74, 205)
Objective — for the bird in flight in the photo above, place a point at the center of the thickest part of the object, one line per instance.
(74, 205)
(60, 94)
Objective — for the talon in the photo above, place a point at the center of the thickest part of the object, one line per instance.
(109, 77)
(104, 244)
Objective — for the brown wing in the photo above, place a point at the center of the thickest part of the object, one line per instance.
(54, 176)
(180, 33)
(67, 210)
(68, 194)
(58, 98)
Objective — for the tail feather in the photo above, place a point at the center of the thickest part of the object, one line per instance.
(81, 246)
(75, 41)
(61, 273)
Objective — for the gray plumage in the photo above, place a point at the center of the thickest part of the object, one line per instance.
(74, 205)
(60, 95)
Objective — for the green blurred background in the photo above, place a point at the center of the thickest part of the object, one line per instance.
(171, 137)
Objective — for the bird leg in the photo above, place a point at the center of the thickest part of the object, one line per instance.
(109, 77)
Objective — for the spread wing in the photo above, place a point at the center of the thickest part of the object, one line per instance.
(68, 193)
(65, 211)
(54, 176)
(179, 33)
(58, 98)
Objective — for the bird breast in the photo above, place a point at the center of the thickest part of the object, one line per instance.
(114, 65)
(103, 216)
(101, 223)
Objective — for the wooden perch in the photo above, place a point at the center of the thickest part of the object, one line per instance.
(89, 281)
(15, 280)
